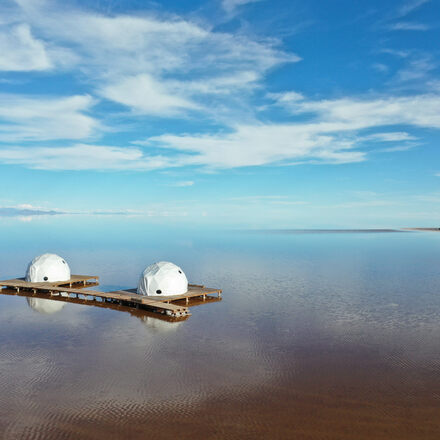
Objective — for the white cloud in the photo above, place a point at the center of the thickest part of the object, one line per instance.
(417, 69)
(394, 136)
(258, 198)
(168, 67)
(329, 135)
(20, 51)
(286, 97)
(83, 157)
(184, 183)
(147, 96)
(231, 5)
(380, 67)
(172, 60)
(223, 84)
(288, 202)
(404, 147)
(409, 26)
(29, 206)
(253, 145)
(45, 118)
(410, 6)
(397, 53)
(367, 203)
(355, 114)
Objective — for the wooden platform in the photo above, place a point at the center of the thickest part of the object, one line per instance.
(194, 291)
(75, 281)
(76, 288)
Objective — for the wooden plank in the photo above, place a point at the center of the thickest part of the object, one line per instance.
(74, 279)
(146, 300)
(86, 280)
(193, 291)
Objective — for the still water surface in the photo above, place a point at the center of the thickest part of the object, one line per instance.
(319, 335)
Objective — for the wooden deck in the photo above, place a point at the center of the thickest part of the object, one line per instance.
(194, 291)
(75, 281)
(76, 288)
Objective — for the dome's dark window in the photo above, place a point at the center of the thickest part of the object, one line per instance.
(45, 278)
(180, 271)
(158, 292)
(63, 261)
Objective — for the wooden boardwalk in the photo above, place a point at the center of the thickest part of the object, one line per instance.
(76, 288)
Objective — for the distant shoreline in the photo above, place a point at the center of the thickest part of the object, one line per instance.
(320, 231)
(422, 229)
(336, 231)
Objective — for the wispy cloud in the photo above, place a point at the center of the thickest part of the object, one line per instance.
(254, 145)
(359, 113)
(394, 136)
(258, 198)
(409, 26)
(409, 6)
(83, 157)
(231, 5)
(44, 118)
(166, 66)
(397, 53)
(328, 136)
(331, 133)
(365, 204)
(21, 51)
(417, 68)
(183, 183)
(289, 202)
(380, 67)
(405, 147)
(145, 95)
(152, 65)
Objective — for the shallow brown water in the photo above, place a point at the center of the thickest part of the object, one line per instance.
(318, 336)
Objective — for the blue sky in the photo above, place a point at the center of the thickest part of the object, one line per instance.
(231, 112)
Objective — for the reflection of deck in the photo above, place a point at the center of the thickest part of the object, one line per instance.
(75, 287)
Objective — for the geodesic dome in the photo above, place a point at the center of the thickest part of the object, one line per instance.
(47, 267)
(45, 306)
(162, 279)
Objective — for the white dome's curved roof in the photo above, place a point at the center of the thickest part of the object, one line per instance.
(47, 267)
(162, 279)
(45, 306)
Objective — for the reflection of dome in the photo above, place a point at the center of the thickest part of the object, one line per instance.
(159, 325)
(162, 279)
(45, 306)
(48, 267)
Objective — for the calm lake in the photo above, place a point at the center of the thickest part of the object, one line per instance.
(319, 335)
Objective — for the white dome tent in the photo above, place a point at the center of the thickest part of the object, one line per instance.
(162, 279)
(47, 268)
